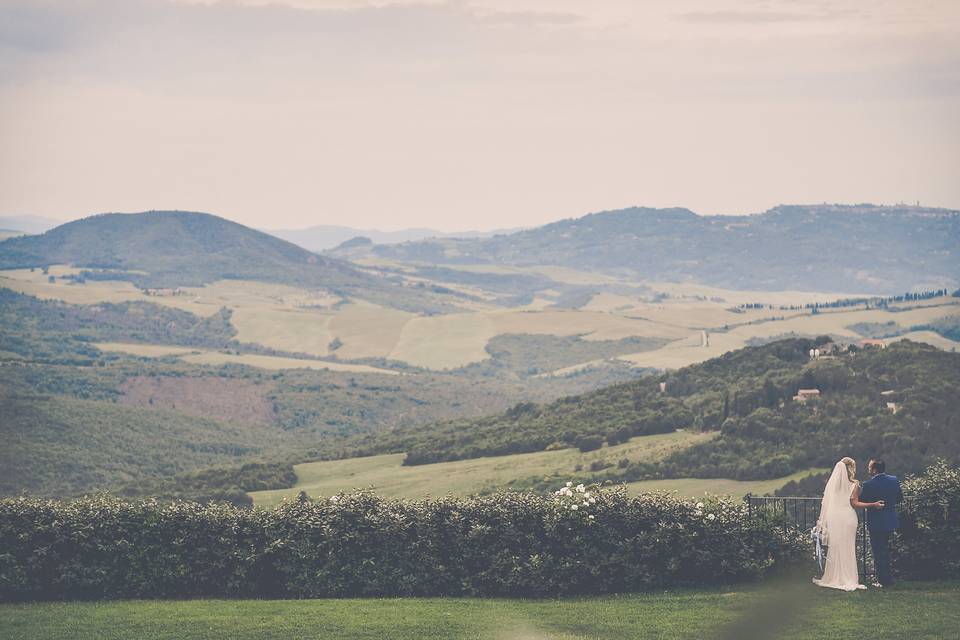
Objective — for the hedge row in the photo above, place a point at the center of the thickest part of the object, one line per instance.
(359, 544)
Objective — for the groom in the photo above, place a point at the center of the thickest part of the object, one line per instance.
(881, 523)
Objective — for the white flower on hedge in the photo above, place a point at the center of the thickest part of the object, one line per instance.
(586, 504)
(698, 513)
(569, 484)
(581, 488)
(711, 517)
(591, 517)
(586, 495)
(574, 507)
(592, 500)
(699, 505)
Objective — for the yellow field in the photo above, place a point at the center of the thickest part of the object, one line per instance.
(454, 340)
(275, 362)
(284, 329)
(144, 350)
(389, 477)
(35, 284)
(444, 342)
(734, 297)
(688, 351)
(304, 321)
(928, 337)
(367, 330)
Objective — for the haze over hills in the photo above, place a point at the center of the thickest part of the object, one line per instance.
(323, 237)
(28, 224)
(860, 248)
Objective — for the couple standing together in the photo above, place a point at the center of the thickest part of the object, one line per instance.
(838, 523)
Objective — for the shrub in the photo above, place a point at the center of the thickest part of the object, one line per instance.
(588, 443)
(927, 544)
(360, 544)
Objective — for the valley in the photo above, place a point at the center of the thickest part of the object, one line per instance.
(417, 370)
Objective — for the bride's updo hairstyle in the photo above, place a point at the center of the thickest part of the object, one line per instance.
(851, 465)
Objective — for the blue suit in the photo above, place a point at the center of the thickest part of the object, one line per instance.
(882, 522)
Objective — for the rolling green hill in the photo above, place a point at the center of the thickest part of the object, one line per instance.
(861, 248)
(75, 418)
(745, 395)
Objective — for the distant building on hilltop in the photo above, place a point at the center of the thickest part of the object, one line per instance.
(870, 342)
(163, 292)
(806, 394)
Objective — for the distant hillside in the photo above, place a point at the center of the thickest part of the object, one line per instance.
(746, 395)
(323, 237)
(28, 224)
(179, 248)
(861, 248)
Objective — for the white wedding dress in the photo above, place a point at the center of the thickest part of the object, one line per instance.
(838, 531)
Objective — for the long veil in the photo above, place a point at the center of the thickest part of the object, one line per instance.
(836, 498)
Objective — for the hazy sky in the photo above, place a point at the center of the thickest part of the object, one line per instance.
(474, 114)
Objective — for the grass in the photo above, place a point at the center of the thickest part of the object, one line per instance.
(919, 611)
(390, 478)
(700, 486)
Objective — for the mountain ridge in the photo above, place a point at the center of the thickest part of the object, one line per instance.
(859, 248)
(326, 237)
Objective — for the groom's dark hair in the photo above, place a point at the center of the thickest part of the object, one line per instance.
(879, 466)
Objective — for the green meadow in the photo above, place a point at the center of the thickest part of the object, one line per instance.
(389, 477)
(915, 610)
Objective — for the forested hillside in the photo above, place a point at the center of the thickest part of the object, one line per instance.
(75, 418)
(900, 403)
(861, 248)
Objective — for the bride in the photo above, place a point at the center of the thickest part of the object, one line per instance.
(838, 527)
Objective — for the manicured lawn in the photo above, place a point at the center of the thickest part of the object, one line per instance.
(915, 611)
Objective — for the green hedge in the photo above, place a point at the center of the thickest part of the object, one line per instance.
(360, 544)
(927, 544)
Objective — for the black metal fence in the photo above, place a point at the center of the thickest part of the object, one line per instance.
(802, 513)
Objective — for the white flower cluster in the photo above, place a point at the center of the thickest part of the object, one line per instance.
(699, 511)
(576, 498)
